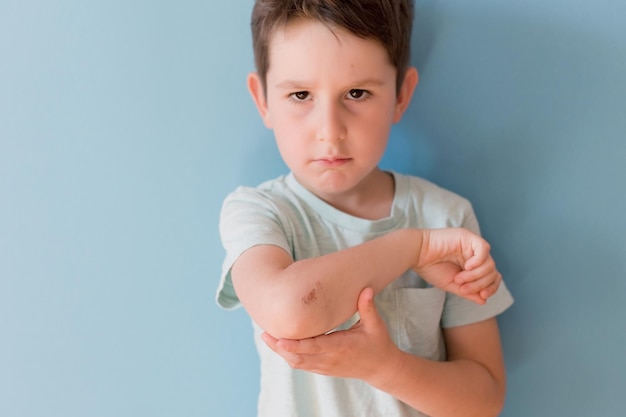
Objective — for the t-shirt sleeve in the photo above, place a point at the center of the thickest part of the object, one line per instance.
(459, 311)
(248, 218)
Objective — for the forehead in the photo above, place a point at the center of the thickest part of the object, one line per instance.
(311, 49)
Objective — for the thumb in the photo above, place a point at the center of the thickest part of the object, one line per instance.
(479, 254)
(367, 309)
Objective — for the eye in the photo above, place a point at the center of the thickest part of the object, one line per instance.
(299, 96)
(358, 94)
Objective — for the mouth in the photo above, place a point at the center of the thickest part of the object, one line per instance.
(332, 162)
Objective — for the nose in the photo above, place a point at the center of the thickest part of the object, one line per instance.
(330, 121)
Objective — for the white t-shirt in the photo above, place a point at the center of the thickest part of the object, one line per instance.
(283, 213)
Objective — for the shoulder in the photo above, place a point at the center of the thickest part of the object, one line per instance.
(272, 204)
(432, 193)
(266, 191)
(273, 195)
(437, 206)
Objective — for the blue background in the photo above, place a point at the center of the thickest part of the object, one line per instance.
(123, 125)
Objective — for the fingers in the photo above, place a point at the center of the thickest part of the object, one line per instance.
(483, 287)
(311, 346)
(493, 288)
(481, 279)
(481, 282)
(294, 360)
(481, 250)
(269, 340)
(322, 354)
(476, 298)
(487, 268)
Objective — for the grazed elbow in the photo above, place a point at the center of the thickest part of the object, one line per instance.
(297, 316)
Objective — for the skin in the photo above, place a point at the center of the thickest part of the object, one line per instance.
(331, 100)
(470, 383)
(331, 126)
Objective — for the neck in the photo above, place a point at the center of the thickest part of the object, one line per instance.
(371, 200)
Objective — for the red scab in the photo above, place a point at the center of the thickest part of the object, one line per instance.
(311, 297)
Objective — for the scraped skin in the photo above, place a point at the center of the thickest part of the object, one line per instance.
(311, 297)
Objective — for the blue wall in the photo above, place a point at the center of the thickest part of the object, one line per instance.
(123, 124)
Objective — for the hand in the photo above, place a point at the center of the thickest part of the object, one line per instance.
(458, 261)
(361, 352)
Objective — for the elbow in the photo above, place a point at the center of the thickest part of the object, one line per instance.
(493, 411)
(498, 405)
(490, 404)
(287, 329)
(495, 406)
(291, 324)
(295, 318)
(500, 397)
(290, 311)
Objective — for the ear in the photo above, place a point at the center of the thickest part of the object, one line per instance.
(411, 78)
(255, 87)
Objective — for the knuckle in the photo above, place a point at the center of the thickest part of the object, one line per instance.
(315, 347)
(296, 362)
(344, 343)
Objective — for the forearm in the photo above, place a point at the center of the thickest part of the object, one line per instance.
(312, 296)
(472, 382)
(297, 300)
(460, 388)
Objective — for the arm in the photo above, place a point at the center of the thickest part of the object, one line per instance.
(470, 383)
(307, 298)
(295, 300)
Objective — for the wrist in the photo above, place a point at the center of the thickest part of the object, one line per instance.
(415, 242)
(423, 239)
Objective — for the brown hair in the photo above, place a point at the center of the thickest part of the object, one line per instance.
(388, 21)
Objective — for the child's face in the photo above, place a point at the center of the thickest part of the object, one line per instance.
(331, 100)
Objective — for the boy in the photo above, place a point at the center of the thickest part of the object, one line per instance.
(366, 290)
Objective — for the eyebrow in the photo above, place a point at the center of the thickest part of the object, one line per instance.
(297, 84)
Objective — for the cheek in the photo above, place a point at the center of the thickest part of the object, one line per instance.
(287, 120)
(375, 124)
(376, 128)
(288, 133)
(290, 146)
